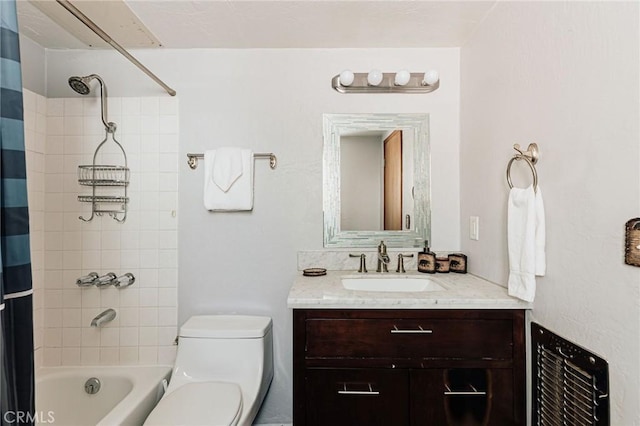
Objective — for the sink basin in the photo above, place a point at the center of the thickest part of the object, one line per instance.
(395, 284)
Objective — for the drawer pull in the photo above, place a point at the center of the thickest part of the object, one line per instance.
(419, 331)
(345, 391)
(472, 392)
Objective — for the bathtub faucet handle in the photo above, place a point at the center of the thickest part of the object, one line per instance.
(87, 280)
(124, 280)
(106, 280)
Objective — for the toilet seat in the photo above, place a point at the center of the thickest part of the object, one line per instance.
(199, 403)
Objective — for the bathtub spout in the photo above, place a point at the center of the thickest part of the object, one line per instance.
(103, 318)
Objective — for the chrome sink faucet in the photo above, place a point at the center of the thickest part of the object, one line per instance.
(383, 258)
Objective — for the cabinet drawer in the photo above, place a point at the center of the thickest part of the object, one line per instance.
(409, 338)
(353, 397)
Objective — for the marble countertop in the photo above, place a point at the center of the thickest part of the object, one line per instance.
(462, 291)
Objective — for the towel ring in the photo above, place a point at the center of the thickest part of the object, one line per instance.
(531, 166)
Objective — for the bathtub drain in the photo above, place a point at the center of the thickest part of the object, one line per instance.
(92, 386)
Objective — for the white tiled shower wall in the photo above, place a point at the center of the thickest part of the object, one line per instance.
(35, 127)
(145, 245)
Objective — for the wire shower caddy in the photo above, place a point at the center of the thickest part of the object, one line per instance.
(111, 178)
(108, 182)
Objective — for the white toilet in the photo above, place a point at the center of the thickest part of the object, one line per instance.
(222, 372)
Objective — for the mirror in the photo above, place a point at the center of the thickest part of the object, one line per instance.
(376, 180)
(364, 201)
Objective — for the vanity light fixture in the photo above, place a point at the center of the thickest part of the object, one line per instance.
(376, 81)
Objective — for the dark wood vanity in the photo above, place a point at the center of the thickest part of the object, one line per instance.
(413, 367)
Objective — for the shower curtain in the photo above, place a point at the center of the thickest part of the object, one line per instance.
(16, 315)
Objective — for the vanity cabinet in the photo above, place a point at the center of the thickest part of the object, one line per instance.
(408, 367)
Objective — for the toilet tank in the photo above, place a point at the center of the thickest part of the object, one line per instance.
(226, 348)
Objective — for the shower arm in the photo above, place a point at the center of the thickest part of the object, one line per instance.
(109, 126)
(104, 36)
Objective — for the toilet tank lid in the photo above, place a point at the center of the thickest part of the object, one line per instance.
(226, 326)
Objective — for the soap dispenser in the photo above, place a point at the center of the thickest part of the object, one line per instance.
(427, 260)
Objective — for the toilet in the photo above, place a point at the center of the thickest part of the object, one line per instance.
(222, 372)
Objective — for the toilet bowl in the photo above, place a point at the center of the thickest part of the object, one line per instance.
(223, 369)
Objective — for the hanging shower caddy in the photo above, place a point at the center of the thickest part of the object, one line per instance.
(108, 182)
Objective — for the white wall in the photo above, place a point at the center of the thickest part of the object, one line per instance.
(33, 61)
(565, 75)
(271, 101)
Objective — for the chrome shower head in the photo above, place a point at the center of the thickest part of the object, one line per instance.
(80, 84)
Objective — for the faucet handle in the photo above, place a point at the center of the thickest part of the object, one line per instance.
(106, 280)
(124, 280)
(87, 280)
(401, 257)
(363, 262)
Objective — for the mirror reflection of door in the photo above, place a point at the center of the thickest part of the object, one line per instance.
(393, 182)
(374, 196)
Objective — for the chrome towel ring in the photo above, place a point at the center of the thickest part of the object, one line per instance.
(530, 156)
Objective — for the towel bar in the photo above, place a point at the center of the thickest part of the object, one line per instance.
(192, 159)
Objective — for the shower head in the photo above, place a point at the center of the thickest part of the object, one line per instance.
(80, 84)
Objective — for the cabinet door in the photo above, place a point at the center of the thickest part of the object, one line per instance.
(462, 397)
(357, 397)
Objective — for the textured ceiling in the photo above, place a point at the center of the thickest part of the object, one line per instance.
(261, 24)
(114, 17)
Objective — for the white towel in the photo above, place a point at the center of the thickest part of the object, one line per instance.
(228, 179)
(541, 255)
(526, 241)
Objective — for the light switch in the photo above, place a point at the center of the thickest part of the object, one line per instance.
(474, 228)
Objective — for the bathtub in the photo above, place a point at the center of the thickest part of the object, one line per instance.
(126, 397)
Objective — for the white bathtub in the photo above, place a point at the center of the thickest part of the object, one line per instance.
(126, 396)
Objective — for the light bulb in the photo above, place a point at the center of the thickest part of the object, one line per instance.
(346, 78)
(431, 77)
(374, 77)
(402, 78)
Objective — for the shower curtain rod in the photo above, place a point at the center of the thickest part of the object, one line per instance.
(96, 29)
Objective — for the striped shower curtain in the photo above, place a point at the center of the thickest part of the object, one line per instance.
(16, 342)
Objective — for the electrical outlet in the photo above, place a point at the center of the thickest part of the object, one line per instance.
(474, 228)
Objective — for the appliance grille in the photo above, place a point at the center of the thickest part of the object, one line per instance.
(570, 384)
